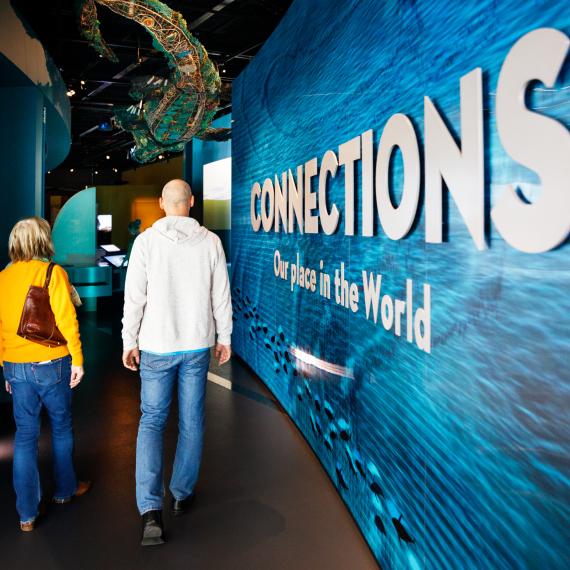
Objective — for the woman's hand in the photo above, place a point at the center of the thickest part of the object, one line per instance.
(8, 388)
(77, 374)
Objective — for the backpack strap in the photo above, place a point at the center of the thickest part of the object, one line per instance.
(48, 274)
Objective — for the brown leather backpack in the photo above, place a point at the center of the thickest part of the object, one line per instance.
(37, 323)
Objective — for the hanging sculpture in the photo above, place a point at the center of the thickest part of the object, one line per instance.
(171, 110)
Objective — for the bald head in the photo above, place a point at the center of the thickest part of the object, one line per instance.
(176, 198)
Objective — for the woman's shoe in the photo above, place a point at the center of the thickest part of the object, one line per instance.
(82, 488)
(30, 525)
(27, 526)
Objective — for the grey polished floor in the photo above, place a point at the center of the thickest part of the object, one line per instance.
(263, 500)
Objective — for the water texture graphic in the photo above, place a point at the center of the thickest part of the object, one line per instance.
(454, 459)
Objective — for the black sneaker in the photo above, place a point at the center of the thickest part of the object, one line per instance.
(181, 507)
(152, 530)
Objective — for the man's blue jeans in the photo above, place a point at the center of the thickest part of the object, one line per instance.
(160, 374)
(35, 385)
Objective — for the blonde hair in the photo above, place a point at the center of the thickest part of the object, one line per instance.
(30, 239)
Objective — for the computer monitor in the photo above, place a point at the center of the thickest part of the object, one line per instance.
(110, 248)
(104, 222)
(116, 260)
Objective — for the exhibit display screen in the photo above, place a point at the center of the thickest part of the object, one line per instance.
(110, 248)
(116, 260)
(104, 223)
(401, 266)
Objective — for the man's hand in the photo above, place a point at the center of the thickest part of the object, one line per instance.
(222, 352)
(8, 388)
(77, 374)
(132, 359)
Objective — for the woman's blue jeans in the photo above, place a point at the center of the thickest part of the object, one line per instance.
(36, 385)
(160, 376)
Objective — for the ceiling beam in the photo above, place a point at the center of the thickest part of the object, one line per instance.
(207, 15)
(119, 75)
(135, 47)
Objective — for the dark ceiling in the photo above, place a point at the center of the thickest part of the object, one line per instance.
(232, 31)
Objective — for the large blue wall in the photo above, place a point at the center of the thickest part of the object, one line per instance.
(453, 459)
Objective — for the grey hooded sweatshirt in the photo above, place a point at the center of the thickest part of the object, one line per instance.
(177, 291)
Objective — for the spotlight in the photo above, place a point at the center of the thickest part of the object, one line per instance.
(82, 82)
(115, 170)
(160, 156)
(49, 171)
(71, 170)
(96, 172)
(223, 70)
(108, 157)
(70, 93)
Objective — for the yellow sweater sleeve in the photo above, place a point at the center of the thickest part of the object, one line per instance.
(64, 311)
(1, 346)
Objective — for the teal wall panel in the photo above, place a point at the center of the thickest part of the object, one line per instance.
(21, 160)
(74, 230)
(35, 119)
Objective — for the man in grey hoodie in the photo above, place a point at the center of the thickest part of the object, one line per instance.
(177, 307)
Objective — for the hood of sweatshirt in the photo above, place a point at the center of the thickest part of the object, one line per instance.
(180, 229)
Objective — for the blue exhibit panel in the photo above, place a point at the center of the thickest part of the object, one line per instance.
(198, 153)
(443, 422)
(204, 152)
(74, 230)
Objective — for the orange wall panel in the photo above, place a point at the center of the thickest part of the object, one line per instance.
(146, 210)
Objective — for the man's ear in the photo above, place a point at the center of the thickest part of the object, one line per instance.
(192, 201)
(161, 203)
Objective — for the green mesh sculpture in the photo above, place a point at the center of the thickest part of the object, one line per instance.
(172, 110)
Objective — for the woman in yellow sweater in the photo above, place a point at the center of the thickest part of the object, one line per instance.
(38, 376)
